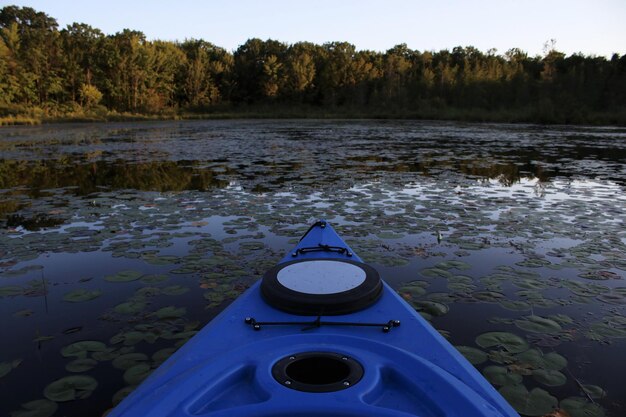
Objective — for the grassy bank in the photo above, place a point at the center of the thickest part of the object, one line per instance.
(524, 115)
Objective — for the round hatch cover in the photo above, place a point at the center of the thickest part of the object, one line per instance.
(321, 277)
(321, 286)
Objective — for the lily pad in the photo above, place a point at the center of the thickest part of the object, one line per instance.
(80, 349)
(453, 264)
(24, 313)
(435, 273)
(130, 307)
(538, 360)
(37, 408)
(105, 355)
(594, 391)
(129, 360)
(11, 291)
(81, 295)
(473, 355)
(122, 393)
(581, 407)
(501, 356)
(515, 305)
(507, 341)
(124, 276)
(170, 312)
(413, 289)
(81, 365)
(137, 373)
(430, 307)
(538, 324)
(174, 290)
(70, 388)
(488, 296)
(549, 377)
(6, 367)
(154, 278)
(500, 375)
(161, 356)
(537, 402)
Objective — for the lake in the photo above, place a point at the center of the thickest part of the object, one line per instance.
(119, 241)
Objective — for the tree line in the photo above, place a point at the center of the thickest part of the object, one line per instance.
(80, 69)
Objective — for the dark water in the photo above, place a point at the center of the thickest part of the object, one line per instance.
(129, 238)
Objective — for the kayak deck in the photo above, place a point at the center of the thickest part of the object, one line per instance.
(231, 369)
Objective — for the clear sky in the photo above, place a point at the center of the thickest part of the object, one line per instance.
(593, 27)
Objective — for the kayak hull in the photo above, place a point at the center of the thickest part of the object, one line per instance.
(229, 368)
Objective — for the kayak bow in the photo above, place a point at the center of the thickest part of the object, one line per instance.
(320, 335)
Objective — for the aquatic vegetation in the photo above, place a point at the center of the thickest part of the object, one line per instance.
(6, 367)
(510, 342)
(535, 402)
(473, 355)
(36, 408)
(80, 295)
(70, 388)
(511, 240)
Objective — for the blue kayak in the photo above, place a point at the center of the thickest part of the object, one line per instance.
(320, 335)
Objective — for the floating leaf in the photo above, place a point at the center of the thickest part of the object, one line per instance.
(500, 375)
(80, 349)
(161, 356)
(124, 276)
(537, 402)
(538, 324)
(435, 273)
(70, 388)
(430, 307)
(130, 307)
(154, 278)
(515, 305)
(6, 367)
(549, 377)
(10, 291)
(105, 355)
(129, 360)
(24, 313)
(175, 290)
(599, 275)
(81, 365)
(488, 296)
(581, 407)
(122, 393)
(594, 391)
(137, 373)
(413, 289)
(473, 355)
(508, 341)
(81, 295)
(170, 312)
(37, 408)
(452, 264)
(538, 360)
(501, 356)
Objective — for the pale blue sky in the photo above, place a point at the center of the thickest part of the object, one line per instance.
(593, 27)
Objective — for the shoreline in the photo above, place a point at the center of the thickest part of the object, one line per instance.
(617, 119)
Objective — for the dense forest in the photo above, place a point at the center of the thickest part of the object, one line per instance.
(77, 72)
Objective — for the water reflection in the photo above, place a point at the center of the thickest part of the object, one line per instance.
(141, 234)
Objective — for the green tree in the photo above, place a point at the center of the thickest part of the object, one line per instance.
(300, 69)
(80, 44)
(90, 95)
(39, 52)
